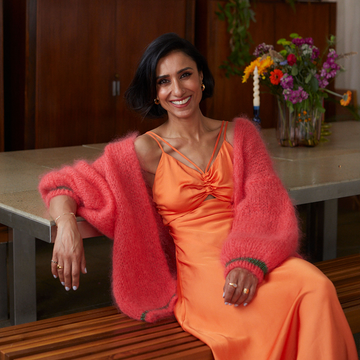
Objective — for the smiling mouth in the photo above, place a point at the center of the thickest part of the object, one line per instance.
(181, 102)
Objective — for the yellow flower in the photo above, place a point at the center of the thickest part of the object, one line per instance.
(346, 98)
(265, 64)
(262, 66)
(250, 69)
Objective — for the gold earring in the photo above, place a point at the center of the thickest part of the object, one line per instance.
(202, 87)
(157, 101)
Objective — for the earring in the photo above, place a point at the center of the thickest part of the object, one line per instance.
(157, 101)
(202, 87)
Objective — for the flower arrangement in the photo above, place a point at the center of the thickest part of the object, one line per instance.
(297, 72)
(298, 76)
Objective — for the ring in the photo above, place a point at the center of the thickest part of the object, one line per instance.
(246, 291)
(53, 261)
(59, 266)
(233, 285)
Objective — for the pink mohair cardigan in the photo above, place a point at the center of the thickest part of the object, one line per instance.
(112, 196)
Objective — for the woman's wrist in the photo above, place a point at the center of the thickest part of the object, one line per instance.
(65, 217)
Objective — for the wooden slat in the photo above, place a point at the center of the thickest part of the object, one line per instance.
(105, 333)
(344, 272)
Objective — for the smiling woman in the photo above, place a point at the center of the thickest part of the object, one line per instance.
(179, 85)
(141, 93)
(203, 228)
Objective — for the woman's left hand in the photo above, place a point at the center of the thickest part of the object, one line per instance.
(240, 287)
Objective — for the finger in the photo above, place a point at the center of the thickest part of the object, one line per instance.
(244, 294)
(75, 274)
(251, 294)
(248, 293)
(67, 275)
(53, 268)
(230, 292)
(83, 264)
(60, 273)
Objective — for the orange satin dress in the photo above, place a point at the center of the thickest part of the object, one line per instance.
(295, 313)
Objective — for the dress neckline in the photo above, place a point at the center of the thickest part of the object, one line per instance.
(198, 169)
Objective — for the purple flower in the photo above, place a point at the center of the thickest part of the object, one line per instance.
(329, 69)
(315, 53)
(323, 83)
(298, 42)
(262, 49)
(295, 96)
(287, 82)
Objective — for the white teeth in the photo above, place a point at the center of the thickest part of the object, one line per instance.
(181, 102)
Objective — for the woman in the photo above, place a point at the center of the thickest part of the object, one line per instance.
(236, 282)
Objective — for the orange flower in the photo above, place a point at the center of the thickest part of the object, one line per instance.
(275, 76)
(346, 98)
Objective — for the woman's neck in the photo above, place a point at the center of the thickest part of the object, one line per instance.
(188, 128)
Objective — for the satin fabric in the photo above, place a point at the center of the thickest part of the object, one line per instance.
(295, 313)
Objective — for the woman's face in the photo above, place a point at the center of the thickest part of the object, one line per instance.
(178, 84)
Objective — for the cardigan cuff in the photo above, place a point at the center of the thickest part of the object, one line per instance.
(257, 267)
(61, 191)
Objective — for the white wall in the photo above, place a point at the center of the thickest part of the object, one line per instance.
(348, 39)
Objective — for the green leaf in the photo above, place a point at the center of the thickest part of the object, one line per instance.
(314, 84)
(308, 78)
(294, 70)
(295, 35)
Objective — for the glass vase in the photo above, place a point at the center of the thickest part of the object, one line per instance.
(298, 128)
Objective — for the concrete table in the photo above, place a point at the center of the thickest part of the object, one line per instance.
(324, 173)
(22, 210)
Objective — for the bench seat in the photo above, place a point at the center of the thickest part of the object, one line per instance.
(106, 334)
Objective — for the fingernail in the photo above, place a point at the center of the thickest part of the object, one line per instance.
(74, 288)
(236, 305)
(230, 304)
(55, 277)
(67, 288)
(63, 284)
(85, 271)
(245, 304)
(226, 303)
(224, 294)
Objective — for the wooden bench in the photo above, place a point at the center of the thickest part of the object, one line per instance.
(344, 272)
(104, 333)
(3, 272)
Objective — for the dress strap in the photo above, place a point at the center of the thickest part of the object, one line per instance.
(215, 147)
(226, 124)
(153, 135)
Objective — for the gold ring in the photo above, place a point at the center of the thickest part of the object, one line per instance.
(233, 285)
(59, 266)
(53, 261)
(246, 291)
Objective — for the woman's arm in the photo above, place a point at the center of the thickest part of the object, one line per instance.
(68, 257)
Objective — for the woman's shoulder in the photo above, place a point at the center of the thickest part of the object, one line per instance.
(148, 152)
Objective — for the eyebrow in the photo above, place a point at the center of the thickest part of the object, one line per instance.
(179, 72)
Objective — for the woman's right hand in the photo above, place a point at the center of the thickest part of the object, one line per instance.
(68, 258)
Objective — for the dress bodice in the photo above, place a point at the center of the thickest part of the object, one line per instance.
(179, 188)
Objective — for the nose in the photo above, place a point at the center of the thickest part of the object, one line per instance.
(177, 88)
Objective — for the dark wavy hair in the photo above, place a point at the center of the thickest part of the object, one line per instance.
(142, 91)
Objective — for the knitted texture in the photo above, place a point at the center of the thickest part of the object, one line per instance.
(265, 230)
(112, 196)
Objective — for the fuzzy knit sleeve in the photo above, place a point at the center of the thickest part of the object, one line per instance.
(265, 228)
(92, 185)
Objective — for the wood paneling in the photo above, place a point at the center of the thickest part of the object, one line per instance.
(1, 81)
(75, 65)
(166, 16)
(63, 57)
